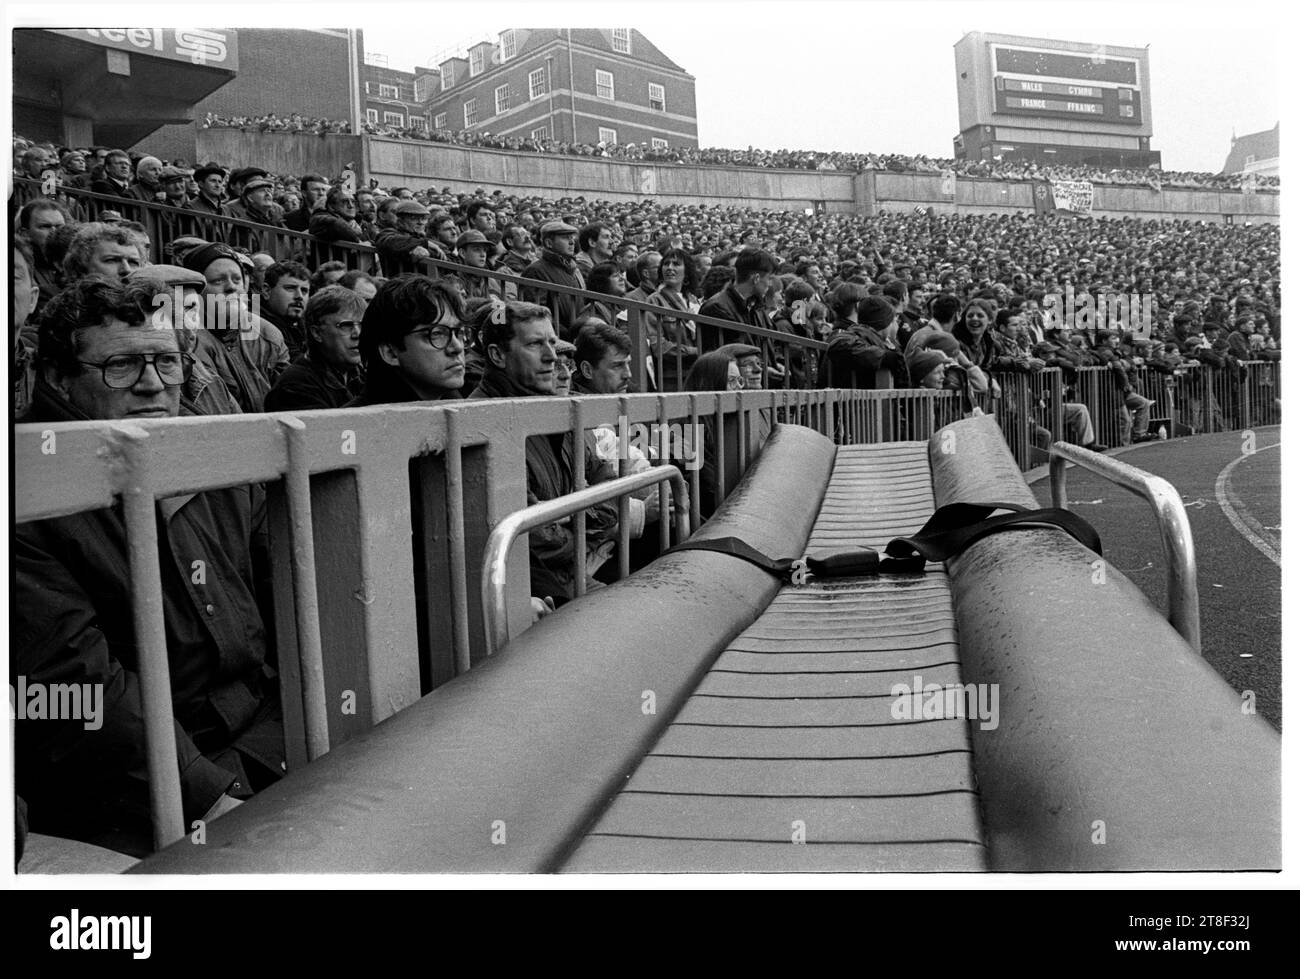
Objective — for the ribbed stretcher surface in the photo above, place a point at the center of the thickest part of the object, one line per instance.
(790, 735)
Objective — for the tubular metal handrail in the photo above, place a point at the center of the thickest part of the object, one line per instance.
(496, 627)
(1171, 517)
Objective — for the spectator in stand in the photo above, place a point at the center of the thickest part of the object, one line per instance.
(285, 286)
(444, 233)
(1134, 429)
(327, 274)
(862, 353)
(116, 179)
(203, 388)
(37, 222)
(146, 186)
(595, 246)
(102, 359)
(212, 184)
(520, 363)
(713, 371)
(315, 188)
(672, 338)
(255, 205)
(520, 251)
(366, 214)
(413, 338)
(557, 266)
(602, 360)
(741, 301)
(362, 283)
(23, 295)
(607, 279)
(472, 253)
(337, 220)
(481, 217)
(646, 273)
(564, 368)
(328, 373)
(403, 248)
(245, 351)
(101, 249)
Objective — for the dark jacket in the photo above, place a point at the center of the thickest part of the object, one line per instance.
(862, 358)
(561, 271)
(299, 220)
(73, 624)
(103, 185)
(395, 249)
(326, 226)
(549, 462)
(731, 305)
(308, 383)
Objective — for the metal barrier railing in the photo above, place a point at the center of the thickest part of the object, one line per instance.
(496, 627)
(1171, 517)
(378, 519)
(164, 224)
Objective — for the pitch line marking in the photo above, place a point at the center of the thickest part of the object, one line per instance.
(1237, 513)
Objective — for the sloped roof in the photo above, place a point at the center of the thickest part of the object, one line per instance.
(1262, 146)
(642, 48)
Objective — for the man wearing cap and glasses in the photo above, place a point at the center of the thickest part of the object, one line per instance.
(108, 351)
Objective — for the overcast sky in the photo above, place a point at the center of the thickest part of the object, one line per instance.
(879, 75)
(828, 75)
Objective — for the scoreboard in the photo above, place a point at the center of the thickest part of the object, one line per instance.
(1055, 84)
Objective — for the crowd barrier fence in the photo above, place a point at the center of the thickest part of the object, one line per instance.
(378, 520)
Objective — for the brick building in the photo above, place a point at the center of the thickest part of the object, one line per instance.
(571, 84)
(392, 97)
(1256, 153)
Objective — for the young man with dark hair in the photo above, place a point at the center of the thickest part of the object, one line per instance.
(106, 355)
(285, 286)
(602, 361)
(595, 246)
(740, 301)
(481, 216)
(413, 339)
(328, 374)
(314, 190)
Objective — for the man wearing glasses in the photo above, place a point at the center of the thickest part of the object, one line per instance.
(109, 352)
(413, 339)
(328, 374)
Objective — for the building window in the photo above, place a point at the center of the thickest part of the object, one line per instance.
(388, 91)
(446, 73)
(607, 135)
(540, 133)
(367, 88)
(507, 45)
(604, 85)
(536, 84)
(658, 144)
(417, 122)
(623, 40)
(471, 112)
(476, 62)
(440, 121)
(394, 119)
(657, 97)
(1250, 159)
(372, 116)
(503, 98)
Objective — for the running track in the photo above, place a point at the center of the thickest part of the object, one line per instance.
(1234, 506)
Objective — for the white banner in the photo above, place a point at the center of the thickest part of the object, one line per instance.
(1072, 195)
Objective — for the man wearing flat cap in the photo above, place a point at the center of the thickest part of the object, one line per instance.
(254, 205)
(472, 248)
(212, 186)
(557, 265)
(404, 246)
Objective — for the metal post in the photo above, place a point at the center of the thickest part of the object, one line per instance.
(456, 543)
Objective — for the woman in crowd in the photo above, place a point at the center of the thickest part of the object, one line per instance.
(671, 338)
(607, 279)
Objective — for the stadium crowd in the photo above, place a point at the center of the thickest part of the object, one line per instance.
(259, 323)
(783, 159)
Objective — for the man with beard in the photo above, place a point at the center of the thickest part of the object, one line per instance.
(328, 374)
(556, 265)
(285, 286)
